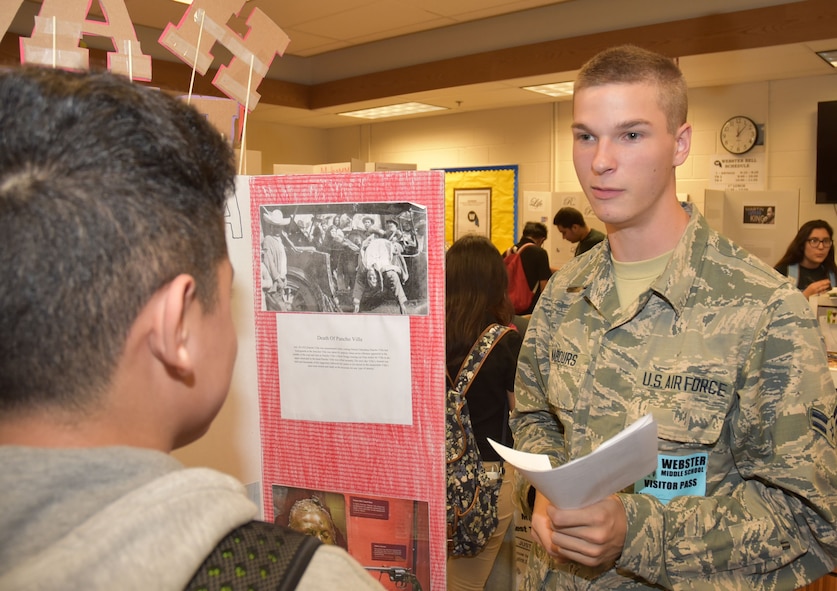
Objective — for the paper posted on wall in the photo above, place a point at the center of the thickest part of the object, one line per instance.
(615, 464)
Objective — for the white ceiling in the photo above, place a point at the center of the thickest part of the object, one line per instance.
(338, 39)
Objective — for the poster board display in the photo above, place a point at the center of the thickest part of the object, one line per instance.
(351, 393)
(232, 443)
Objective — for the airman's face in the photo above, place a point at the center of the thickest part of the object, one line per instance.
(624, 153)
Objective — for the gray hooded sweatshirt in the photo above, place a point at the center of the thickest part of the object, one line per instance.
(126, 518)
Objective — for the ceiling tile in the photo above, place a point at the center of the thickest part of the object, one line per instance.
(458, 8)
(292, 13)
(371, 20)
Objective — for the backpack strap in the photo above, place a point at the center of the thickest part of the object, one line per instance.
(473, 361)
(515, 249)
(256, 555)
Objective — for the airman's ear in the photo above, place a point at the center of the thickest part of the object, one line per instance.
(169, 336)
(683, 139)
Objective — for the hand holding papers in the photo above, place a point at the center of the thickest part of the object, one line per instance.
(618, 462)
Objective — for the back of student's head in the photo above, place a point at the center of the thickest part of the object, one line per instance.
(567, 217)
(108, 191)
(629, 64)
(535, 230)
(476, 292)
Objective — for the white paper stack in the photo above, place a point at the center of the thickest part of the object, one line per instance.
(615, 464)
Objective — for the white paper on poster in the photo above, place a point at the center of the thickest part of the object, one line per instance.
(345, 369)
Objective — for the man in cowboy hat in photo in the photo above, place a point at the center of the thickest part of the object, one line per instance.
(274, 260)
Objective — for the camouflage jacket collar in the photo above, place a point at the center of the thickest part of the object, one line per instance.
(672, 286)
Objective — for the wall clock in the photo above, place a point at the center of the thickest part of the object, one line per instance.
(739, 134)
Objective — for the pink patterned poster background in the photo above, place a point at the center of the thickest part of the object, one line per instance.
(378, 460)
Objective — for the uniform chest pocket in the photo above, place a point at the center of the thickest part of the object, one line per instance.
(689, 407)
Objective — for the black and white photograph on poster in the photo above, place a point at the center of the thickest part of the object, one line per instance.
(759, 214)
(353, 258)
(472, 212)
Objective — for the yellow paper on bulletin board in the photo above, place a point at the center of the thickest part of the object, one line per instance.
(481, 200)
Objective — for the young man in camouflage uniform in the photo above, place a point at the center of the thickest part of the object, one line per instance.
(671, 318)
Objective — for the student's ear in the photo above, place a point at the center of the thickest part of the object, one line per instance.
(683, 143)
(169, 337)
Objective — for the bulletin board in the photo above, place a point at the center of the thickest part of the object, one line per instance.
(370, 453)
(466, 189)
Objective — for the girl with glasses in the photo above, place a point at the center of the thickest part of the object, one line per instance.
(809, 260)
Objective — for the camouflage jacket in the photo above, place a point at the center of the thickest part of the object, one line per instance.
(729, 359)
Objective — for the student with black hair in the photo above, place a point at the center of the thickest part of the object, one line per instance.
(118, 347)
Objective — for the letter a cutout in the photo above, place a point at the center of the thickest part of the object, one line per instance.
(60, 25)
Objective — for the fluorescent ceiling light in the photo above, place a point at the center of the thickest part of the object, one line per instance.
(396, 110)
(554, 89)
(184, 1)
(829, 56)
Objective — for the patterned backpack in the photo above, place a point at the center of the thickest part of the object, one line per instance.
(471, 491)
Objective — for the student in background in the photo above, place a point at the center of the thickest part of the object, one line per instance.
(534, 258)
(809, 259)
(476, 297)
(118, 346)
(668, 317)
(570, 222)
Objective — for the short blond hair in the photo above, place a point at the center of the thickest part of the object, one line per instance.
(629, 64)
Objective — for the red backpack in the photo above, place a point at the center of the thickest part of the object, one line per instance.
(520, 293)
